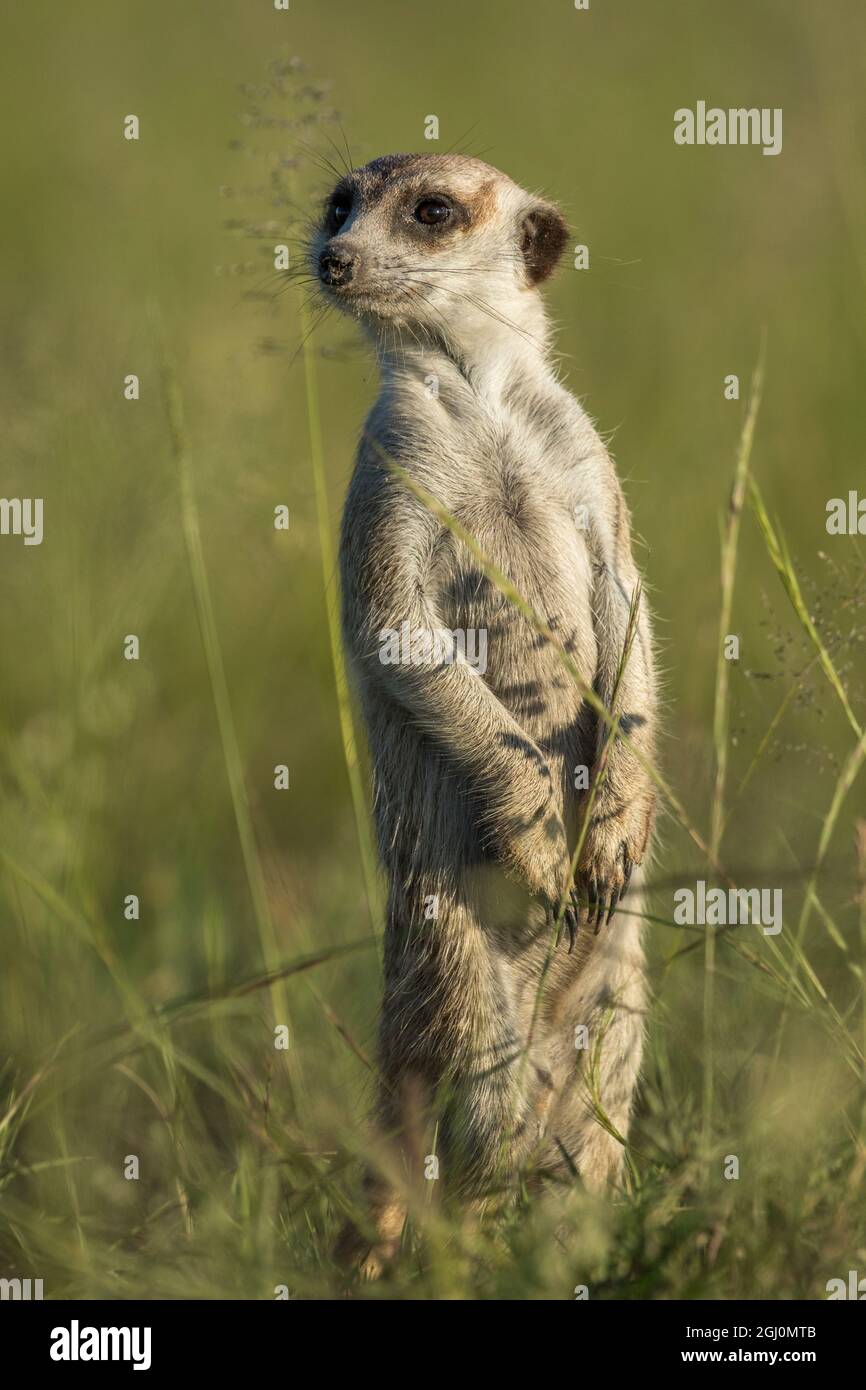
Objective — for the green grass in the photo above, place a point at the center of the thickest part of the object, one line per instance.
(260, 908)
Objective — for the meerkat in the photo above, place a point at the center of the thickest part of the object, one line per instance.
(480, 776)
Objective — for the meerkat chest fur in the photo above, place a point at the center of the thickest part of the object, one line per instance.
(502, 453)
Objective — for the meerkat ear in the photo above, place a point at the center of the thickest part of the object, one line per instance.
(544, 232)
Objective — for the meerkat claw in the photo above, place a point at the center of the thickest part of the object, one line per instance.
(602, 906)
(592, 900)
(571, 922)
(569, 918)
(626, 873)
(576, 910)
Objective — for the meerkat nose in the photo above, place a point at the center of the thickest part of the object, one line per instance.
(336, 266)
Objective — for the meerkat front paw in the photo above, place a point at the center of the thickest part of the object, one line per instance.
(614, 844)
(536, 852)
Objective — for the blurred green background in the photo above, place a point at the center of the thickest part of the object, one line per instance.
(113, 774)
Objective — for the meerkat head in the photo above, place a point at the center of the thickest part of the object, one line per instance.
(435, 243)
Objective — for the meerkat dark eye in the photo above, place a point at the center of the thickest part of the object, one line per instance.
(433, 212)
(339, 211)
